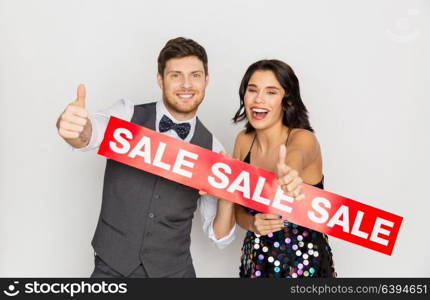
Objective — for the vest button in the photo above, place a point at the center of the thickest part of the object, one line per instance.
(151, 215)
(156, 196)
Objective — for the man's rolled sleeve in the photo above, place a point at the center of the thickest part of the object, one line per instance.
(208, 208)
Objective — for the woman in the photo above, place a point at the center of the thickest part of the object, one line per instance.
(270, 101)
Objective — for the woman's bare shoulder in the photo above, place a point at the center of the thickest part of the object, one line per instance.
(303, 136)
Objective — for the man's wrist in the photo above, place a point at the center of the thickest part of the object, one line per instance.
(85, 136)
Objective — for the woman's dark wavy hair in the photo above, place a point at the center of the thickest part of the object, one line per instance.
(296, 114)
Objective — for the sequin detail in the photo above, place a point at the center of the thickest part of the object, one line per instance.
(292, 252)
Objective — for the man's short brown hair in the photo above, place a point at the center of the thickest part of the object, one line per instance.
(181, 47)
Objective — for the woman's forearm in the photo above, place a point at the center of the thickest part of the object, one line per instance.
(244, 219)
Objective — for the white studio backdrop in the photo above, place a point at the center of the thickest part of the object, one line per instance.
(363, 69)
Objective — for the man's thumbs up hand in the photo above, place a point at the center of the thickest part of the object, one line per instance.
(73, 124)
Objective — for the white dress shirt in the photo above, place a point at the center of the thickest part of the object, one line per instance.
(124, 109)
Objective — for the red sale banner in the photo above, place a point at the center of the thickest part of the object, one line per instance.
(249, 186)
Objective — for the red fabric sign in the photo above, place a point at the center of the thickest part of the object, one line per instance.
(249, 186)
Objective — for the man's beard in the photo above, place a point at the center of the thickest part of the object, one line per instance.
(180, 109)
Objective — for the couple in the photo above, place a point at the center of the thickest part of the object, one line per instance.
(145, 220)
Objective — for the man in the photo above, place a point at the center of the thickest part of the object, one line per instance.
(145, 220)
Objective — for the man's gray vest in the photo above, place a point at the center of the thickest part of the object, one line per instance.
(146, 218)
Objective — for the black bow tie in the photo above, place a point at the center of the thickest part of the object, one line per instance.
(182, 129)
